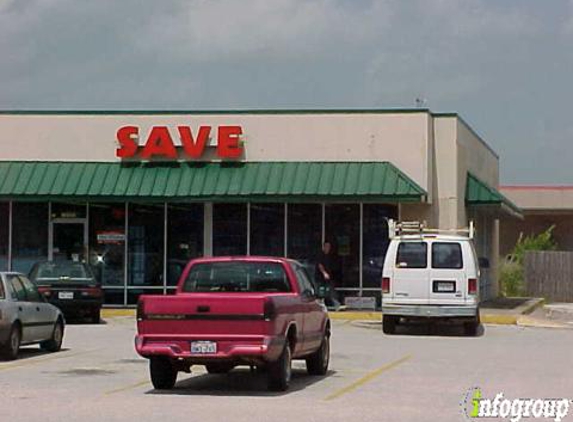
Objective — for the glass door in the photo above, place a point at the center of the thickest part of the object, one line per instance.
(68, 240)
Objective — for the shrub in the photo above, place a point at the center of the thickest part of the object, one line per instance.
(511, 270)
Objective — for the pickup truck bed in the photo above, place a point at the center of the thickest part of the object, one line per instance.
(235, 311)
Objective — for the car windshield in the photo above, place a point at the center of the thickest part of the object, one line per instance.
(61, 270)
(237, 277)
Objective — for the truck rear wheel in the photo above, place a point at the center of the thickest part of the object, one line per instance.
(317, 363)
(279, 373)
(163, 374)
(389, 324)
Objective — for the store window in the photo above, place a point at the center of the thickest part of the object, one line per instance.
(267, 229)
(68, 210)
(184, 238)
(229, 229)
(30, 235)
(342, 229)
(4, 222)
(107, 244)
(304, 234)
(145, 245)
(375, 241)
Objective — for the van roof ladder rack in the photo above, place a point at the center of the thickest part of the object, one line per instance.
(419, 228)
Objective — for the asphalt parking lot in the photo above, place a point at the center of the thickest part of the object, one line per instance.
(420, 374)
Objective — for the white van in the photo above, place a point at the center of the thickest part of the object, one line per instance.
(430, 274)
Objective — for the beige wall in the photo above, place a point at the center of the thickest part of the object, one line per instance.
(543, 207)
(401, 138)
(534, 224)
(476, 157)
(541, 198)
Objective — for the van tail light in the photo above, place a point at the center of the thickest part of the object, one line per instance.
(472, 286)
(269, 309)
(385, 284)
(140, 314)
(45, 291)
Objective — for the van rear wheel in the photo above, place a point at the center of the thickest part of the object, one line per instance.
(389, 324)
(471, 327)
(163, 374)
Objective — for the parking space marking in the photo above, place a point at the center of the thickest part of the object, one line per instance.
(35, 361)
(126, 388)
(367, 378)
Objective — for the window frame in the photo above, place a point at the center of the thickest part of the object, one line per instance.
(461, 256)
(188, 284)
(30, 288)
(11, 280)
(408, 267)
(303, 279)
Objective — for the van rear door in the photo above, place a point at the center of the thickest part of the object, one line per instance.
(448, 283)
(410, 279)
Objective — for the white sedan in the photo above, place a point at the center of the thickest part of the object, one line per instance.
(26, 318)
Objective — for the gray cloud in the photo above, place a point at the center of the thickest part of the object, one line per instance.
(505, 66)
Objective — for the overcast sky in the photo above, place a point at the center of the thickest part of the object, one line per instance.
(505, 66)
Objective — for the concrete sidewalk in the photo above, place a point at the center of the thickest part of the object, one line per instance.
(506, 311)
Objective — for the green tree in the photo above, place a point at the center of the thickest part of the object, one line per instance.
(511, 271)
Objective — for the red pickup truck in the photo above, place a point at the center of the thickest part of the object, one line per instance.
(230, 311)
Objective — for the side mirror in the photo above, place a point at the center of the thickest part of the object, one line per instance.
(483, 262)
(309, 294)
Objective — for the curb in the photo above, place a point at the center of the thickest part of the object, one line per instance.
(486, 318)
(113, 312)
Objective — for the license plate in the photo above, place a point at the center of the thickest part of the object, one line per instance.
(203, 347)
(65, 295)
(444, 287)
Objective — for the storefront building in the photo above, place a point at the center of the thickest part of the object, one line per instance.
(543, 207)
(138, 194)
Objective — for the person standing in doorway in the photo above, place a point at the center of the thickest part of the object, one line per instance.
(325, 274)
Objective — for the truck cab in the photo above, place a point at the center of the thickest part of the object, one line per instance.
(430, 274)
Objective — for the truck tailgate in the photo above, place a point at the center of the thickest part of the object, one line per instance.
(202, 314)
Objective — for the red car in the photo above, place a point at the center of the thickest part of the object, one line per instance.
(230, 311)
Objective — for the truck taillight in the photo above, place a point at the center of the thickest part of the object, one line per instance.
(472, 286)
(140, 315)
(385, 284)
(269, 310)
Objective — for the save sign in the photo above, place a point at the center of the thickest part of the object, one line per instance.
(160, 143)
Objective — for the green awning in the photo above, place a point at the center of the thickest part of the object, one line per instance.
(285, 181)
(479, 194)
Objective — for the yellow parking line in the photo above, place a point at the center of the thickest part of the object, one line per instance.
(35, 361)
(367, 378)
(126, 388)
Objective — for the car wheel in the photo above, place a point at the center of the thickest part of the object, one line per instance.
(389, 324)
(163, 374)
(219, 368)
(317, 363)
(279, 373)
(55, 343)
(95, 316)
(10, 350)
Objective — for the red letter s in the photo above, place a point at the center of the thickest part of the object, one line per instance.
(127, 145)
